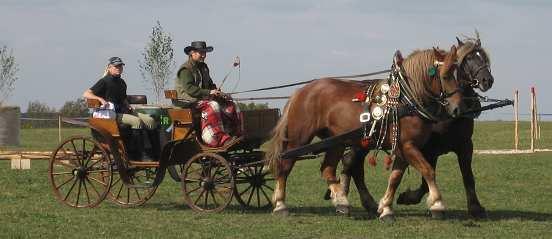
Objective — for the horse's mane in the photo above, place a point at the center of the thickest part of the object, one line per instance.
(416, 66)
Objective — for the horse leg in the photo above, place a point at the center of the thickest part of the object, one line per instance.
(384, 208)
(356, 170)
(415, 158)
(279, 195)
(328, 170)
(345, 177)
(465, 153)
(411, 197)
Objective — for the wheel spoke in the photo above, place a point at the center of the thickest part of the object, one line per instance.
(138, 194)
(97, 180)
(78, 192)
(128, 195)
(86, 191)
(66, 165)
(265, 195)
(206, 199)
(69, 180)
(258, 197)
(214, 199)
(93, 187)
(199, 197)
(70, 190)
(271, 189)
(247, 189)
(250, 197)
(76, 153)
(62, 173)
(87, 160)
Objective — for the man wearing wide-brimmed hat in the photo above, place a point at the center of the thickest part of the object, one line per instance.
(195, 88)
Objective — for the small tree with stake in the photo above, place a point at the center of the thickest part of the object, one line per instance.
(158, 62)
(8, 73)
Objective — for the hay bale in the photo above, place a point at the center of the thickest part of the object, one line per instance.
(9, 125)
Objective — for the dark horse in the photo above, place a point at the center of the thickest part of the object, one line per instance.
(450, 135)
(324, 108)
(456, 135)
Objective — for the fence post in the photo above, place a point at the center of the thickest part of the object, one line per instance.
(532, 98)
(516, 120)
(59, 128)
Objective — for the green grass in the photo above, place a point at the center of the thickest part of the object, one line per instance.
(515, 189)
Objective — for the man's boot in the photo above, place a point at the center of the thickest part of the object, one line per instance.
(153, 136)
(135, 145)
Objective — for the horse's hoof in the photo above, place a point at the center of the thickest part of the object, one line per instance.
(478, 212)
(437, 214)
(281, 211)
(343, 210)
(387, 219)
(408, 197)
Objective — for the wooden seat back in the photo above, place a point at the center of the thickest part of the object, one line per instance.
(170, 94)
(182, 123)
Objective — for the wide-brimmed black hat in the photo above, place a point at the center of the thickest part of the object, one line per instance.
(198, 46)
(116, 61)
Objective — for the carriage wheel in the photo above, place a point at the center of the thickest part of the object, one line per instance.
(207, 182)
(126, 196)
(80, 172)
(254, 186)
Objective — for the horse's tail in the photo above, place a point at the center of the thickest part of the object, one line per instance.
(278, 140)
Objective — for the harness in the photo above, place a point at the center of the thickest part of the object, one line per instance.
(387, 101)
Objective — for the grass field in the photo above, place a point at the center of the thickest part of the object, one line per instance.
(515, 189)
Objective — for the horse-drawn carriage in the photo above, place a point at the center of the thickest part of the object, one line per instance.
(84, 170)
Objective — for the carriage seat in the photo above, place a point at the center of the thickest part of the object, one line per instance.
(137, 99)
(173, 96)
(109, 125)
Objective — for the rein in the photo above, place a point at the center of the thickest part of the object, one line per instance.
(309, 81)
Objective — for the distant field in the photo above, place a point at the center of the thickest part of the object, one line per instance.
(515, 189)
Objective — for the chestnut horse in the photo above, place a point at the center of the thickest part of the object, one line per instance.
(323, 108)
(450, 135)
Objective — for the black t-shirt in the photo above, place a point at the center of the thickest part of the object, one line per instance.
(112, 89)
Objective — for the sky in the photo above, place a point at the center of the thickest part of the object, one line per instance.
(62, 46)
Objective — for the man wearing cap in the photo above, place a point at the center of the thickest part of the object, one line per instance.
(194, 87)
(112, 88)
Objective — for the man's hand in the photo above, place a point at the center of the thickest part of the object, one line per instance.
(215, 92)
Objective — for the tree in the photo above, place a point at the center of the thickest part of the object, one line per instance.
(8, 73)
(158, 62)
(252, 106)
(76, 108)
(37, 107)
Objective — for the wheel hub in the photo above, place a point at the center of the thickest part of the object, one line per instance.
(80, 172)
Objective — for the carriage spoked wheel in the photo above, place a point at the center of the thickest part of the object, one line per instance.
(254, 186)
(126, 196)
(207, 182)
(80, 172)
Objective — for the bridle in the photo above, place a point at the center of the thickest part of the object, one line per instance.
(443, 94)
(472, 80)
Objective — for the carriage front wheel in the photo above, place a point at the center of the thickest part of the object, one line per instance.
(80, 172)
(207, 182)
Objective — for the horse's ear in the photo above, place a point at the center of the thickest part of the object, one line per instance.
(449, 61)
(478, 40)
(460, 43)
(438, 54)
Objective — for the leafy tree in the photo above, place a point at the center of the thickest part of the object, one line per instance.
(8, 73)
(252, 106)
(76, 108)
(158, 62)
(39, 107)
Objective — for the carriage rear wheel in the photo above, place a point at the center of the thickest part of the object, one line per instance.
(207, 182)
(139, 193)
(80, 172)
(254, 186)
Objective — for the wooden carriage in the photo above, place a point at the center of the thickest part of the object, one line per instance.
(85, 170)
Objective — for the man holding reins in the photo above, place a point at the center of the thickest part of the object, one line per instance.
(195, 88)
